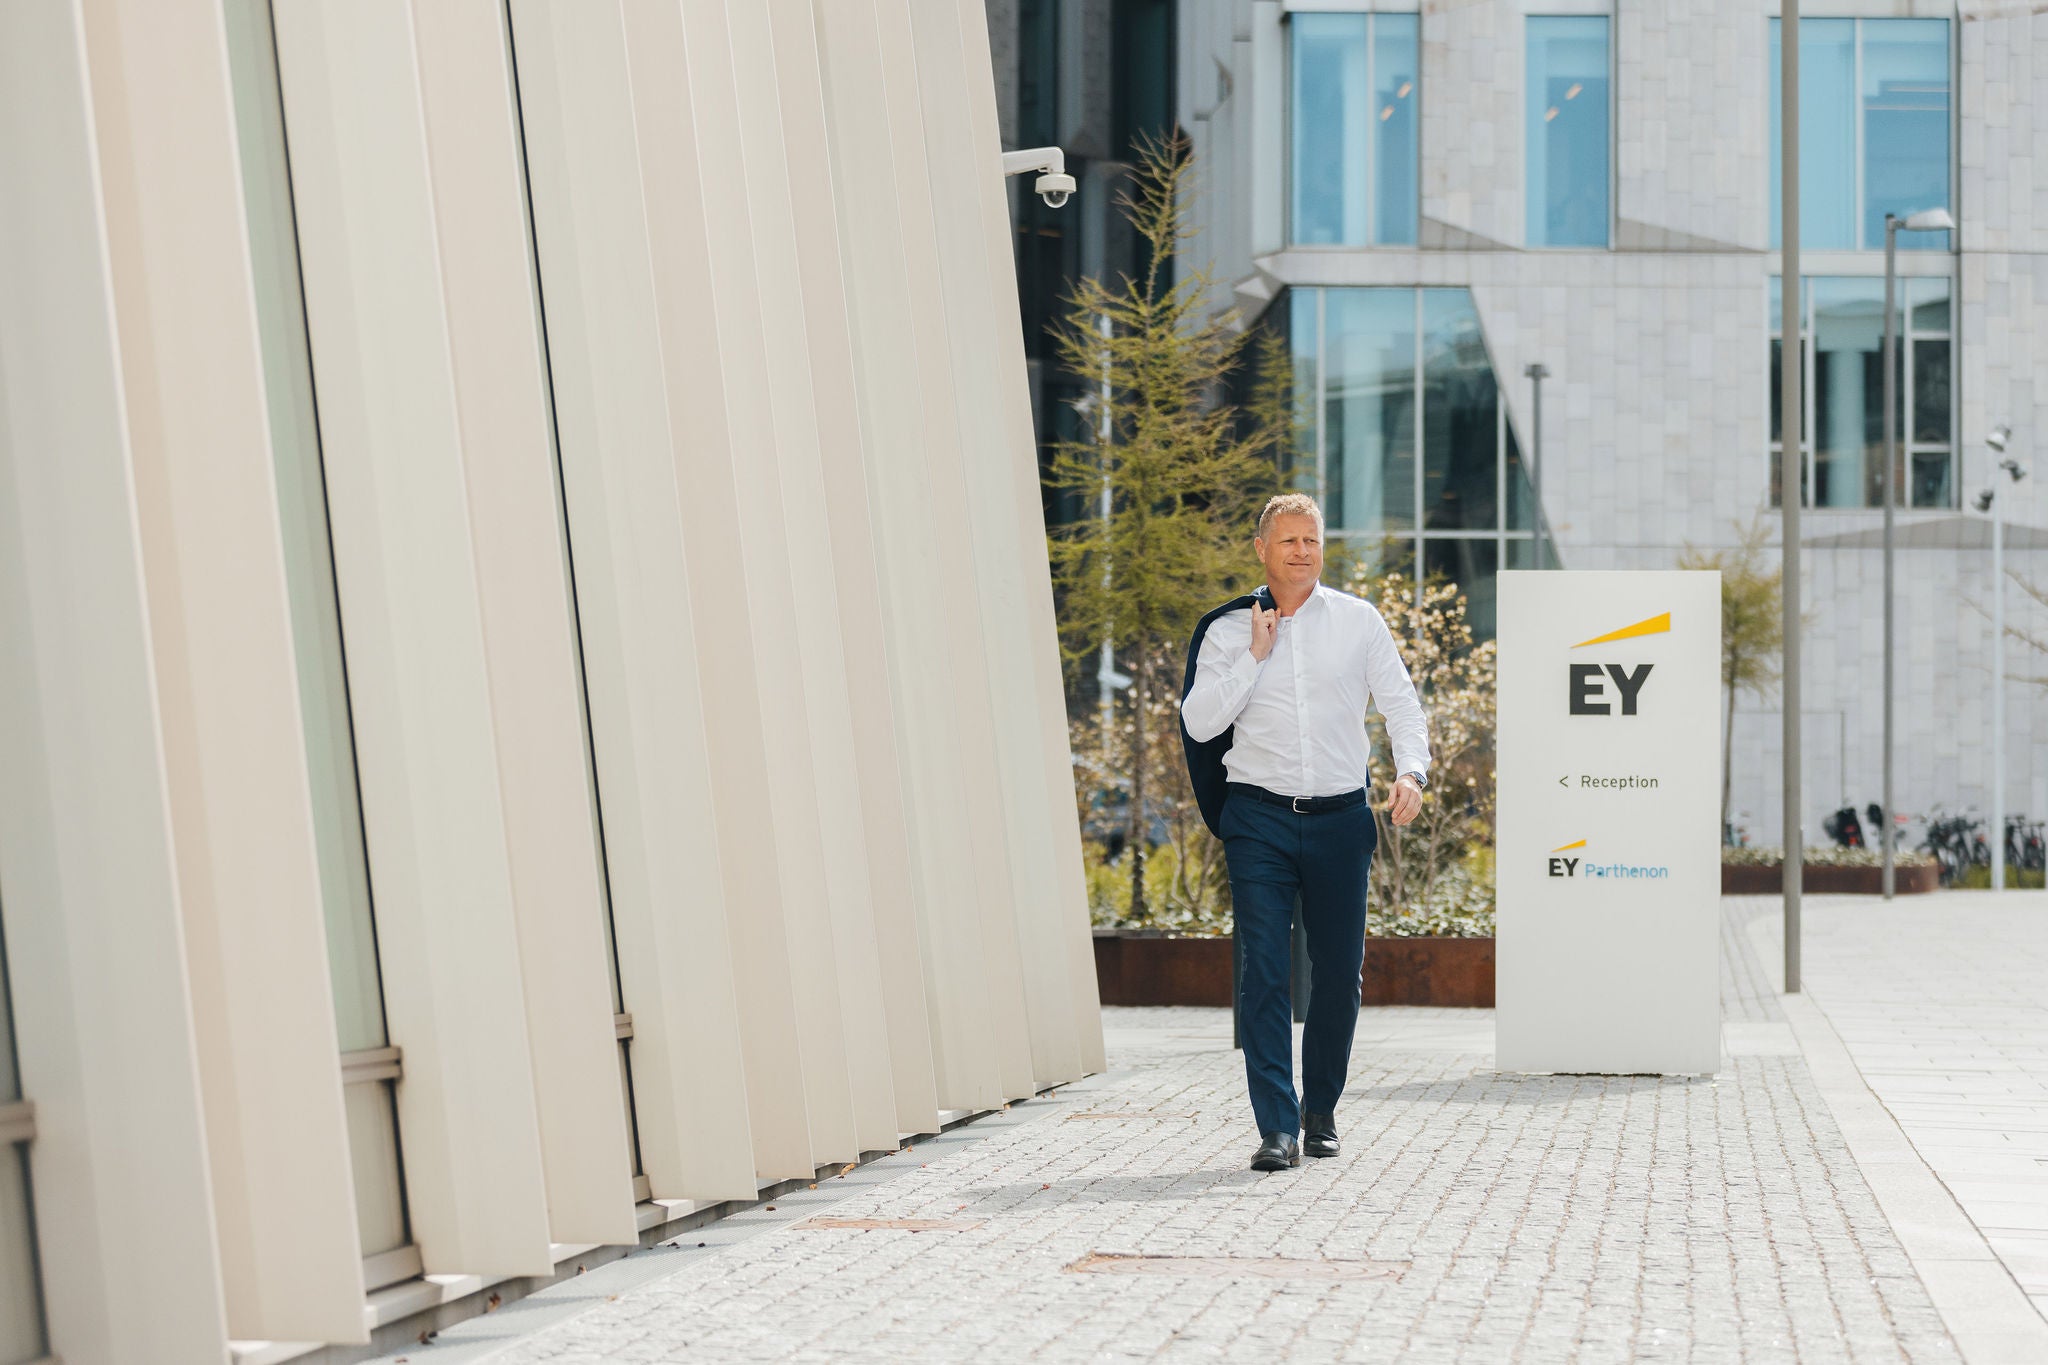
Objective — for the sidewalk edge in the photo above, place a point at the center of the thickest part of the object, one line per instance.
(1987, 1313)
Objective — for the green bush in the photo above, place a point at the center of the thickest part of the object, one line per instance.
(1458, 904)
(1109, 896)
(1977, 877)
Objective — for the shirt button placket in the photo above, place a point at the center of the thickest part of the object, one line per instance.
(1308, 779)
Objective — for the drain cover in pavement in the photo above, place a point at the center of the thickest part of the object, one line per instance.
(895, 1224)
(1238, 1267)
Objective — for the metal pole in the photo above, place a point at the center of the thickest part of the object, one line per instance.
(1537, 374)
(1791, 466)
(1997, 685)
(1105, 671)
(1891, 436)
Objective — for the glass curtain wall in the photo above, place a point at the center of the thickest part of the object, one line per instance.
(1355, 114)
(1405, 439)
(1874, 131)
(1843, 437)
(21, 1300)
(1568, 117)
(370, 1066)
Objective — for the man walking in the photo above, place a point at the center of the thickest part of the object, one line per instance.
(1279, 685)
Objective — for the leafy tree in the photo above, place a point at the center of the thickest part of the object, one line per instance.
(2029, 635)
(1184, 471)
(1752, 626)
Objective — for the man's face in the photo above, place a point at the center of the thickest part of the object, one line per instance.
(1293, 553)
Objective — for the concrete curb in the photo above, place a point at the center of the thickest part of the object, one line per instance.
(1990, 1317)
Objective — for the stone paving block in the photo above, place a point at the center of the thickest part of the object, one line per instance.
(1570, 1219)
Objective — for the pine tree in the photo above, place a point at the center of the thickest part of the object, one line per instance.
(1185, 472)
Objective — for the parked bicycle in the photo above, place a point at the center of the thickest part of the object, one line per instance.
(1845, 828)
(1956, 841)
(2024, 848)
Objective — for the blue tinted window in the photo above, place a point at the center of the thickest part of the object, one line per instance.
(1398, 396)
(1871, 143)
(1461, 417)
(1298, 459)
(1330, 120)
(1567, 120)
(1844, 408)
(1369, 408)
(1354, 113)
(1397, 120)
(1827, 134)
(1848, 385)
(1905, 126)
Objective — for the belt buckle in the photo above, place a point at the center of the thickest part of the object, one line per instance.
(1295, 804)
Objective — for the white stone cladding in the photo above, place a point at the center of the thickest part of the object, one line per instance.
(1655, 420)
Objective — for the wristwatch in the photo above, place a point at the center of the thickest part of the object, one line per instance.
(1421, 780)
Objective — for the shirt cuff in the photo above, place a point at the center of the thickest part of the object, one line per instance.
(1247, 665)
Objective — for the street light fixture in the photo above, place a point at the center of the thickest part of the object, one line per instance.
(1987, 501)
(1927, 220)
(1537, 372)
(1790, 483)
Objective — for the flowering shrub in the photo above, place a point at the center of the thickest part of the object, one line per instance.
(1187, 887)
(1431, 878)
(1767, 855)
(1459, 904)
(1426, 868)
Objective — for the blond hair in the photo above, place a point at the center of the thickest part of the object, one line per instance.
(1289, 505)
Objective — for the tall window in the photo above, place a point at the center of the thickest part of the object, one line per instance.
(1406, 440)
(1874, 131)
(1843, 438)
(21, 1299)
(1567, 115)
(1355, 112)
(370, 1067)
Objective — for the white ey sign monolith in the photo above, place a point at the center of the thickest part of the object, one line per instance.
(1607, 856)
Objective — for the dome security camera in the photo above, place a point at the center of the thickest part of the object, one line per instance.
(1053, 185)
(1054, 188)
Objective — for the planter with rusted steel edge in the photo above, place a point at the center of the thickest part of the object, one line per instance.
(1823, 880)
(1456, 972)
(1133, 967)
(1139, 968)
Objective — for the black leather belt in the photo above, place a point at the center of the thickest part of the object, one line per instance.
(1300, 805)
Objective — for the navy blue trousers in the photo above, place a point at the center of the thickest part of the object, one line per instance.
(1274, 856)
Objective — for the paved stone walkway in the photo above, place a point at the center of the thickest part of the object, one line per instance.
(1942, 1000)
(1474, 1217)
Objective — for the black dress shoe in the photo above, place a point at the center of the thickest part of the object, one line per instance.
(1319, 1134)
(1279, 1152)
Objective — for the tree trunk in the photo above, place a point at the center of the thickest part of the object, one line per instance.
(1727, 762)
(1134, 839)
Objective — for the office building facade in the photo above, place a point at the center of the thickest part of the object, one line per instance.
(1430, 199)
(529, 705)
(1095, 78)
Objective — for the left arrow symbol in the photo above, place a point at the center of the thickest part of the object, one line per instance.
(1564, 781)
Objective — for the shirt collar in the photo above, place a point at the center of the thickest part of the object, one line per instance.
(1315, 595)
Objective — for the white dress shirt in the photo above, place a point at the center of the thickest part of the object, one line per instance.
(1300, 712)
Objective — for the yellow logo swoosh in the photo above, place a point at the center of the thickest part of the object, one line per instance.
(1566, 848)
(1655, 625)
